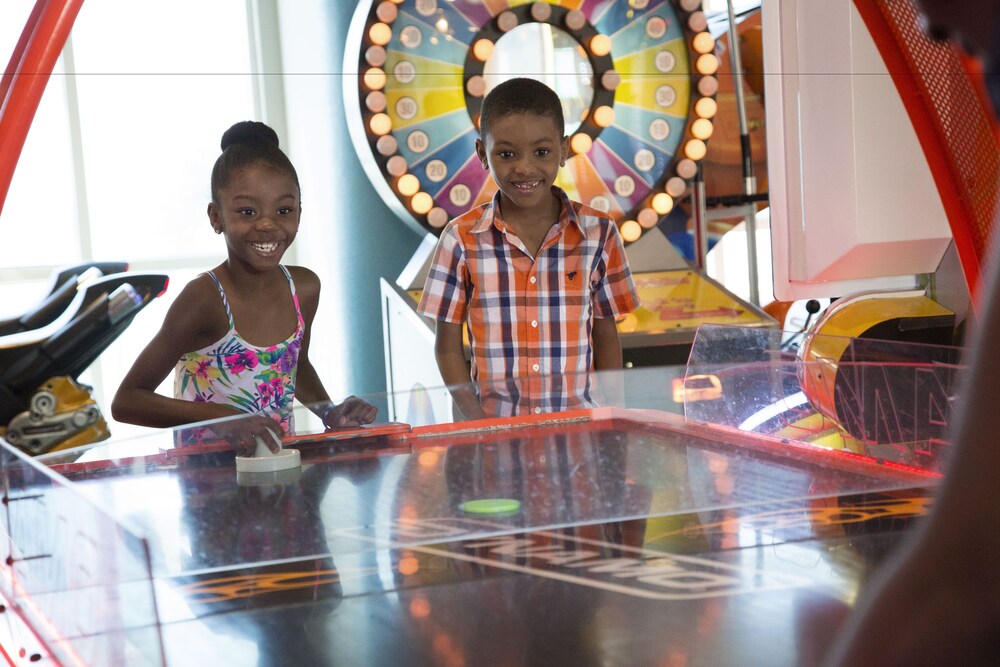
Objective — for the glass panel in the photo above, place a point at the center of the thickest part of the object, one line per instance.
(77, 576)
(884, 399)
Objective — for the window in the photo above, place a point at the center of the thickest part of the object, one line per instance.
(116, 165)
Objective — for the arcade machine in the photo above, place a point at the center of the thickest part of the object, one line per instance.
(619, 534)
(639, 84)
(43, 406)
(883, 192)
(43, 352)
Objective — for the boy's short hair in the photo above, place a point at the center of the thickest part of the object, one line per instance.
(520, 95)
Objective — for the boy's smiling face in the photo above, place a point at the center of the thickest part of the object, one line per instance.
(523, 152)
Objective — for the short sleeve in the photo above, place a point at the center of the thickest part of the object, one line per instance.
(614, 292)
(444, 295)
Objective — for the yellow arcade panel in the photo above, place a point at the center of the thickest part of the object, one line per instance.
(684, 298)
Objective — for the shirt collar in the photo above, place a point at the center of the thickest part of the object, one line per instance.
(491, 212)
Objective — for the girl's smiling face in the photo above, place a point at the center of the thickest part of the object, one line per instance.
(524, 152)
(258, 212)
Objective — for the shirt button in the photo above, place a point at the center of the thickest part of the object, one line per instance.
(537, 410)
(531, 280)
(535, 367)
(534, 323)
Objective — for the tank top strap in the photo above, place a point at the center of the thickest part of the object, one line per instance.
(225, 301)
(288, 277)
(295, 297)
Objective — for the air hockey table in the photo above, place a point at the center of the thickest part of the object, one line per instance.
(626, 533)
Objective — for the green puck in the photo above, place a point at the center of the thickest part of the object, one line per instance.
(491, 506)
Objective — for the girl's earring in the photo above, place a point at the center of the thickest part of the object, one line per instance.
(217, 230)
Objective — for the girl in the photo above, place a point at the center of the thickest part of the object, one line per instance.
(237, 337)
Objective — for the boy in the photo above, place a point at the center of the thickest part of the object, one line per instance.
(538, 278)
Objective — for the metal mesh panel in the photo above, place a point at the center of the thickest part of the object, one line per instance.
(946, 102)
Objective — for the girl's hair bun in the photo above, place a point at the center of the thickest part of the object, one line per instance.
(250, 133)
(245, 144)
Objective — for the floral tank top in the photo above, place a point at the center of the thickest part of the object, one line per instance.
(252, 379)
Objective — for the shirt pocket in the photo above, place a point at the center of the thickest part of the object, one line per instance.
(570, 309)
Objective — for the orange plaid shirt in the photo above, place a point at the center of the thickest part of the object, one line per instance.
(529, 318)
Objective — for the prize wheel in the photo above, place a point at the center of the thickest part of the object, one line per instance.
(637, 78)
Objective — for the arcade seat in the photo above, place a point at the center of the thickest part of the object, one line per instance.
(63, 287)
(42, 404)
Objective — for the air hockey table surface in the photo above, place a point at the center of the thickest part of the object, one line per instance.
(636, 537)
(634, 543)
